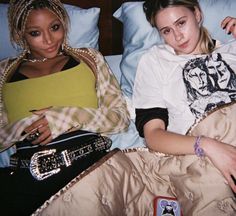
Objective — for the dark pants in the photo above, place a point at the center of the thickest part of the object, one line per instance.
(21, 194)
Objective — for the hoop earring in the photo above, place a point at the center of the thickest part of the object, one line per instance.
(64, 45)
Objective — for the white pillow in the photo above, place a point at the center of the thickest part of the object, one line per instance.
(83, 32)
(138, 35)
(129, 138)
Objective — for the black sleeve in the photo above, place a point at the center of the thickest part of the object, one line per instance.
(145, 115)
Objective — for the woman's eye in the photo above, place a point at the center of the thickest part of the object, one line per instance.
(166, 31)
(55, 27)
(181, 23)
(34, 33)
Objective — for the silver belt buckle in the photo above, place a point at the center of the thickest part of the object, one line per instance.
(35, 165)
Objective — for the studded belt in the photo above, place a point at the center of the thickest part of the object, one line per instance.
(46, 163)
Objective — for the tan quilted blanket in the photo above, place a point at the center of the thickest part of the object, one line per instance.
(126, 182)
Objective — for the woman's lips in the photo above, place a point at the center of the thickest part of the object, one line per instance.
(184, 45)
(51, 49)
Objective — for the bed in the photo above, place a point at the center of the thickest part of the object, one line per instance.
(127, 180)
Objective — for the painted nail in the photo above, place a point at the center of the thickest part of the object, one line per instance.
(23, 133)
(233, 179)
(229, 33)
(32, 110)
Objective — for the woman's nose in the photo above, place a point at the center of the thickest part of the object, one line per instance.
(178, 35)
(47, 38)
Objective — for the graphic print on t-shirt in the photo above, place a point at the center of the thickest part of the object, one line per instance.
(210, 82)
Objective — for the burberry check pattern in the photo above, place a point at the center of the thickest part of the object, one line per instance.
(110, 117)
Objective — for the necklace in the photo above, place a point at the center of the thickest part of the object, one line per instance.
(36, 60)
(40, 60)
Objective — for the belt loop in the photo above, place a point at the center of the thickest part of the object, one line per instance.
(14, 164)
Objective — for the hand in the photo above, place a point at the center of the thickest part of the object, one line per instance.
(39, 129)
(229, 24)
(223, 156)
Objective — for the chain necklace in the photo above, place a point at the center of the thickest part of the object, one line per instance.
(36, 60)
(40, 60)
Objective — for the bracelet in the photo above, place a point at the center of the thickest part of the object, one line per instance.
(197, 149)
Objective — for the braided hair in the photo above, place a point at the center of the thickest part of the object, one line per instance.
(18, 13)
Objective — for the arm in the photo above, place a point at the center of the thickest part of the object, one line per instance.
(229, 24)
(222, 155)
(10, 133)
(158, 139)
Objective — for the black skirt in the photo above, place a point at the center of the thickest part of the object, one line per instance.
(21, 194)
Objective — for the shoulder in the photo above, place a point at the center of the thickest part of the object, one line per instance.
(4, 62)
(7, 61)
(148, 56)
(151, 52)
(159, 53)
(92, 57)
(8, 64)
(91, 53)
(229, 46)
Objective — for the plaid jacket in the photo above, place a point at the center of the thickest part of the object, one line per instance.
(111, 116)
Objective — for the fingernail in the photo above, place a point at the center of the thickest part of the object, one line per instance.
(32, 110)
(229, 33)
(23, 133)
(223, 27)
(233, 179)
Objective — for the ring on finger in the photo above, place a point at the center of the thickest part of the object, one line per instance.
(37, 133)
(33, 136)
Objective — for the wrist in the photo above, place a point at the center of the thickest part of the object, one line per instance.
(207, 144)
(198, 150)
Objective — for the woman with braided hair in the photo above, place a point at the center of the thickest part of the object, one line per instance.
(48, 91)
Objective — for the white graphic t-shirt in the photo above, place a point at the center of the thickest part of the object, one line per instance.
(187, 85)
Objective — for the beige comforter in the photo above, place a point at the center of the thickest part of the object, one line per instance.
(126, 182)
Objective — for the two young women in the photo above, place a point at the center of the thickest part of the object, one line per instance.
(165, 96)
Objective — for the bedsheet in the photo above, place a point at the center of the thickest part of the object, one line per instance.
(126, 182)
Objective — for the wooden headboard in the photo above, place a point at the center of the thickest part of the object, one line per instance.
(110, 39)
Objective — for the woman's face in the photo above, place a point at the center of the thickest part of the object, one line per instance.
(179, 26)
(44, 33)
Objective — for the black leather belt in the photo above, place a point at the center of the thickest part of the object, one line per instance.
(46, 163)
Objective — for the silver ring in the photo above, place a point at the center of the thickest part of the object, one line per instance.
(33, 136)
(37, 133)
